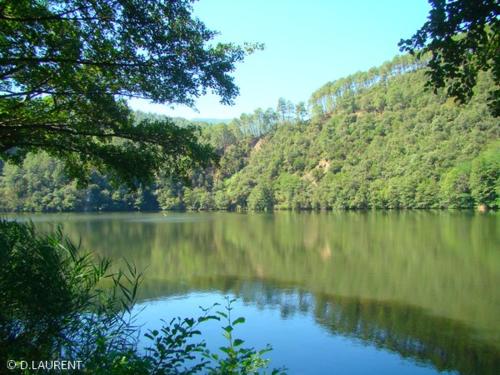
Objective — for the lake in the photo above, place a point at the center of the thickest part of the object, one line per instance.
(380, 292)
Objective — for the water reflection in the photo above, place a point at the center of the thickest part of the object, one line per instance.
(410, 331)
(422, 284)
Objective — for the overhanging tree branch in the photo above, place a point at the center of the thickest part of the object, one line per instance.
(66, 67)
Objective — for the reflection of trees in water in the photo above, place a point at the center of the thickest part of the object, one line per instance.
(445, 264)
(410, 331)
(446, 344)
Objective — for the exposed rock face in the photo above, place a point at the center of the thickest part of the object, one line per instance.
(325, 164)
(258, 145)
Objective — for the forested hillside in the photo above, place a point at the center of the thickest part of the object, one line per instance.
(375, 139)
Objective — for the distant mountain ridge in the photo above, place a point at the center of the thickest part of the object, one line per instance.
(211, 121)
(141, 115)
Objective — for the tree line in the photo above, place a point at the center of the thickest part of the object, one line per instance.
(375, 139)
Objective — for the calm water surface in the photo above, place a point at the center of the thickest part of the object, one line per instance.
(344, 293)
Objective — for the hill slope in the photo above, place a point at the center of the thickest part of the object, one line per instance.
(375, 139)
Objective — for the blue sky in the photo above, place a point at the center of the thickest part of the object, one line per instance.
(307, 43)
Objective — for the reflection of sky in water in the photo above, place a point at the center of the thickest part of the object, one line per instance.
(342, 292)
(298, 342)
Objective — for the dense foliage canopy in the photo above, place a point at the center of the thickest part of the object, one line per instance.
(67, 67)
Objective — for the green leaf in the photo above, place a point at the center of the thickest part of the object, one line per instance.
(240, 320)
(238, 342)
(223, 314)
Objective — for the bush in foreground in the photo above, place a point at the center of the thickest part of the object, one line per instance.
(59, 303)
